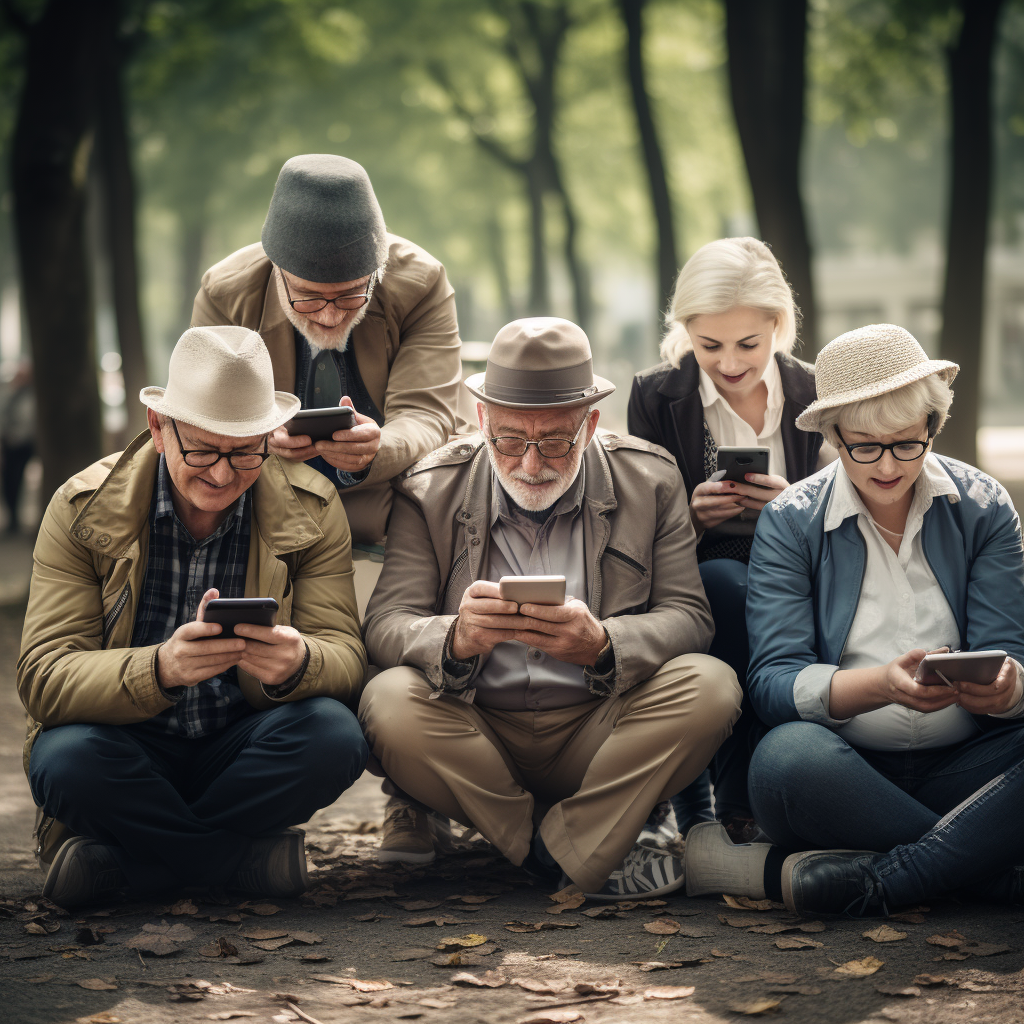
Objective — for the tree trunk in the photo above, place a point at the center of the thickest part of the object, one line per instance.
(499, 261)
(539, 302)
(767, 41)
(117, 187)
(49, 172)
(191, 236)
(667, 264)
(578, 272)
(963, 296)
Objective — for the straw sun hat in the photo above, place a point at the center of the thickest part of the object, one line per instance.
(866, 363)
(220, 379)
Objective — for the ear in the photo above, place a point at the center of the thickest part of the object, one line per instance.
(595, 415)
(155, 423)
(481, 415)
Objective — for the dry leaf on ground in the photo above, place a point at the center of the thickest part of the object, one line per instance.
(184, 907)
(951, 956)
(571, 903)
(660, 965)
(898, 990)
(269, 945)
(931, 979)
(423, 922)
(154, 944)
(419, 904)
(370, 986)
(601, 913)
(436, 1004)
(541, 988)
(597, 988)
(859, 968)
(951, 940)
(98, 984)
(795, 942)
(745, 921)
(746, 903)
(42, 927)
(985, 949)
(661, 926)
(261, 934)
(753, 1007)
(669, 992)
(455, 942)
(883, 933)
(305, 938)
(489, 979)
(552, 1017)
(220, 947)
(260, 909)
(539, 926)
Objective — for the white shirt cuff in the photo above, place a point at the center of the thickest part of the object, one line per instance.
(1017, 708)
(811, 695)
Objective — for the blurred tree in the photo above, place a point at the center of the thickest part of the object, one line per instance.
(767, 44)
(51, 147)
(666, 263)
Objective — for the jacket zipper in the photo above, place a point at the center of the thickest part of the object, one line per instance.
(115, 613)
(623, 557)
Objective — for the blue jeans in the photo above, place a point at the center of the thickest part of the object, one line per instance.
(725, 583)
(181, 811)
(941, 819)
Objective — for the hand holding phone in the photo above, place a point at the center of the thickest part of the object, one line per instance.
(532, 589)
(231, 612)
(320, 424)
(950, 668)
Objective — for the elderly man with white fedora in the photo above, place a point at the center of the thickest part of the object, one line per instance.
(553, 729)
(855, 575)
(162, 753)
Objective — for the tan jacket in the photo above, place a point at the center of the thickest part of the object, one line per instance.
(642, 578)
(77, 663)
(407, 349)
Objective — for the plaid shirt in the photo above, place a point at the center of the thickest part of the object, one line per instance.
(179, 571)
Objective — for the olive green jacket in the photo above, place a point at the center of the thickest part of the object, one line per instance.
(77, 663)
(406, 347)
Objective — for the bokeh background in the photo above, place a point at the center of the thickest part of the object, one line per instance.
(558, 156)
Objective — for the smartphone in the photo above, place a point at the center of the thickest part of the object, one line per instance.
(980, 667)
(735, 463)
(236, 611)
(320, 424)
(532, 589)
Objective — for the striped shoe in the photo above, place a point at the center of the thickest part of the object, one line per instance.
(644, 872)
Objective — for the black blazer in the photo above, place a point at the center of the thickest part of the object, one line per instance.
(665, 408)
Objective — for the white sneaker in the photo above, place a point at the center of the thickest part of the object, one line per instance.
(716, 866)
(644, 872)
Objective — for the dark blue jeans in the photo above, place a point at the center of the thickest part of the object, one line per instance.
(941, 820)
(725, 583)
(183, 812)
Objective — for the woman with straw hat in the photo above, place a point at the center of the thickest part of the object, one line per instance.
(855, 574)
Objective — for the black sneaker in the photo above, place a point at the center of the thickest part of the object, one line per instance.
(273, 866)
(833, 882)
(644, 873)
(83, 872)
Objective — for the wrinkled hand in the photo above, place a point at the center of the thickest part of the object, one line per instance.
(483, 621)
(995, 698)
(899, 687)
(194, 653)
(273, 654)
(568, 632)
(353, 450)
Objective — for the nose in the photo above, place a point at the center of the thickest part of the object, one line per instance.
(888, 465)
(533, 461)
(221, 472)
(329, 316)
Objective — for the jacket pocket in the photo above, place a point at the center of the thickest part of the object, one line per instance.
(110, 619)
(623, 557)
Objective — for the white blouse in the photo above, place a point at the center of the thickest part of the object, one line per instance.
(728, 428)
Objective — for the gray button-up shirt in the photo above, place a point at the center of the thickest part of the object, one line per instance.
(516, 677)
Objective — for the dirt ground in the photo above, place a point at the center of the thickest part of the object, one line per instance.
(466, 939)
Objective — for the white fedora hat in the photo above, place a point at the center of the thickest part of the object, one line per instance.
(866, 363)
(220, 379)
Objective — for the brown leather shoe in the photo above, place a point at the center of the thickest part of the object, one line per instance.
(83, 872)
(274, 866)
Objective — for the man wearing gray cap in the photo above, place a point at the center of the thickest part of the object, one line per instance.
(350, 314)
(553, 729)
(165, 753)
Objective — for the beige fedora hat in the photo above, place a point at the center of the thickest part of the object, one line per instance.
(540, 362)
(866, 363)
(220, 379)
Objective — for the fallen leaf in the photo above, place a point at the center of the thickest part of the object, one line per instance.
(985, 949)
(437, 1004)
(475, 899)
(952, 956)
(898, 990)
(539, 926)
(570, 892)
(669, 992)
(795, 942)
(948, 939)
(599, 988)
(440, 922)
(261, 934)
(183, 907)
(489, 979)
(571, 903)
(260, 909)
(754, 1007)
(603, 912)
(541, 988)
(930, 979)
(883, 933)
(739, 922)
(859, 968)
(175, 932)
(973, 986)
(418, 904)
(231, 1014)
(155, 945)
(220, 947)
(452, 943)
(370, 986)
(42, 927)
(98, 984)
(661, 926)
(659, 965)
(305, 938)
(746, 903)
(812, 926)
(552, 1017)
(271, 944)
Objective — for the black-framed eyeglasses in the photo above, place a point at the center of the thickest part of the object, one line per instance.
(348, 302)
(549, 447)
(903, 451)
(200, 458)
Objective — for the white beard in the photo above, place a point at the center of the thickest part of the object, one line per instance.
(535, 499)
(317, 336)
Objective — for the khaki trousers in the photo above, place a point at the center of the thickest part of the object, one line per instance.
(589, 774)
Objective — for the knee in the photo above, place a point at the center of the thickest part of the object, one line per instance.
(328, 738)
(719, 690)
(73, 762)
(386, 708)
(792, 751)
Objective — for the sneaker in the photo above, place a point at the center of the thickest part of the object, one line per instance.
(660, 831)
(833, 882)
(411, 833)
(715, 865)
(644, 873)
(273, 866)
(83, 871)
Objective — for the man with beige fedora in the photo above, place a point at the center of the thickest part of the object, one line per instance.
(553, 730)
(161, 753)
(352, 314)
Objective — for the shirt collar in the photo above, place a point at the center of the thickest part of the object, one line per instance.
(164, 504)
(709, 394)
(845, 501)
(571, 501)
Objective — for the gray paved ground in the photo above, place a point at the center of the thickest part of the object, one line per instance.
(353, 952)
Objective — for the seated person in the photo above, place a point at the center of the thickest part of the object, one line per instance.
(173, 755)
(855, 574)
(351, 315)
(729, 379)
(551, 729)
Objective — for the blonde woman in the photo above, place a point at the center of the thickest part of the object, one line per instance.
(729, 379)
(855, 574)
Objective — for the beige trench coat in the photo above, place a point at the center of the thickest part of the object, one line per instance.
(77, 663)
(407, 349)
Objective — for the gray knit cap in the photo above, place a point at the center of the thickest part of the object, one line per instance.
(324, 223)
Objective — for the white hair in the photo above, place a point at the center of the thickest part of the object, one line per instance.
(722, 275)
(892, 412)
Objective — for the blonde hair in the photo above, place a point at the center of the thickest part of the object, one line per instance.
(892, 412)
(722, 275)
